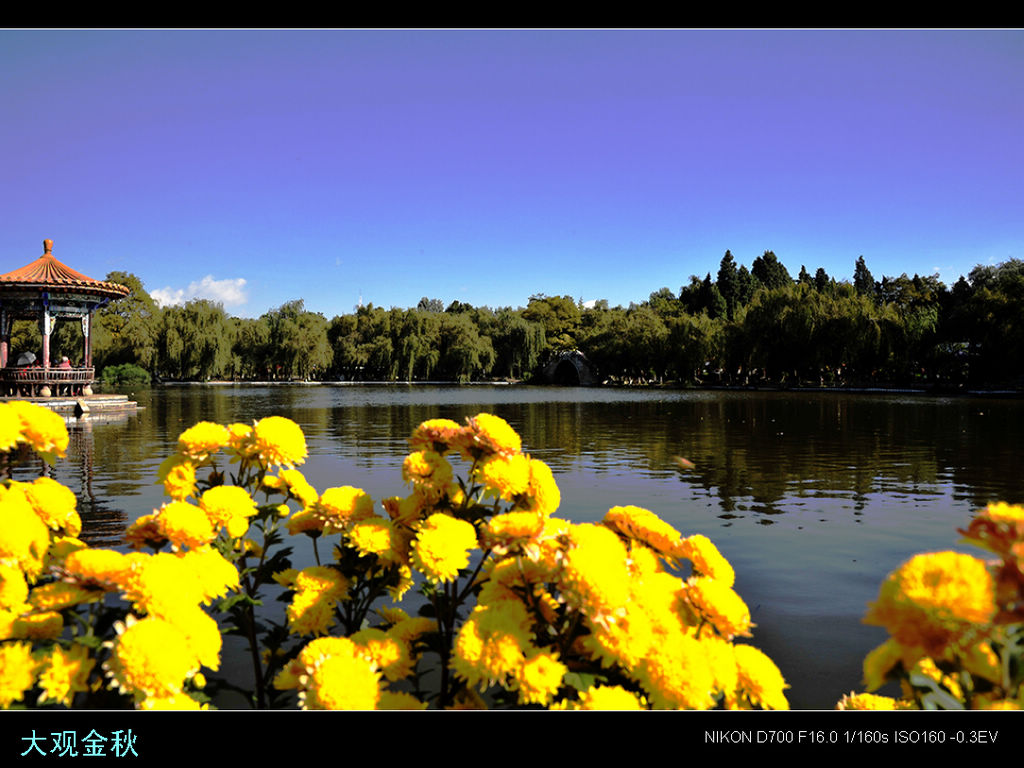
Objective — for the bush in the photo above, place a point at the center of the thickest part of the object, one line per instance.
(125, 375)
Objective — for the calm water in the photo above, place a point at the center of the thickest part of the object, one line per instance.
(814, 498)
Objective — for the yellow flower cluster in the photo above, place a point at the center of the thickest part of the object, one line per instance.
(23, 423)
(317, 590)
(598, 596)
(952, 619)
(604, 599)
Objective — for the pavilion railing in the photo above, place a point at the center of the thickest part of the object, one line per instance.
(29, 382)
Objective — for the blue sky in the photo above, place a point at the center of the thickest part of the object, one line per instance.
(260, 166)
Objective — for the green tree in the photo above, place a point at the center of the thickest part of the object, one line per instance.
(728, 283)
(298, 341)
(770, 271)
(518, 344)
(195, 341)
(822, 281)
(559, 315)
(863, 281)
(126, 329)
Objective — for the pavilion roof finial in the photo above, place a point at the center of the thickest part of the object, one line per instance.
(47, 246)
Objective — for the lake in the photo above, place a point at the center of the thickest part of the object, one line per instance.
(814, 497)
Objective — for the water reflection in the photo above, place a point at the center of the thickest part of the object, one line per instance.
(813, 496)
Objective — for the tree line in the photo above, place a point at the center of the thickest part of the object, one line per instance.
(737, 327)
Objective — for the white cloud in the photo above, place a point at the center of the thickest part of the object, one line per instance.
(229, 292)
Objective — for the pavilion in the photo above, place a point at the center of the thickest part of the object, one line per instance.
(45, 290)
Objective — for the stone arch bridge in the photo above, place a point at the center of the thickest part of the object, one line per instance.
(570, 368)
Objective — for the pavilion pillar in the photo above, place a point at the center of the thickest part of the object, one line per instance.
(87, 340)
(47, 328)
(5, 337)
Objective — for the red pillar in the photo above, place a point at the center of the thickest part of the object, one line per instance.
(5, 337)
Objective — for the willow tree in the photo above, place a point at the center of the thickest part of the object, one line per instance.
(195, 341)
(298, 346)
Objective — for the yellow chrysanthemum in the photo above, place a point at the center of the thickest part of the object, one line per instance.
(539, 677)
(595, 572)
(151, 657)
(202, 635)
(305, 521)
(162, 584)
(177, 474)
(44, 430)
(17, 672)
(216, 575)
(1002, 512)
(343, 682)
(999, 528)
(676, 674)
(375, 536)
(185, 525)
(504, 476)
(442, 547)
(512, 528)
(102, 568)
(436, 435)
(706, 559)
(296, 485)
(279, 441)
(200, 441)
(10, 428)
(721, 661)
(63, 673)
(759, 679)
(55, 504)
(492, 434)
(317, 590)
(933, 599)
(542, 494)
(24, 537)
(492, 643)
(226, 505)
(390, 654)
(332, 673)
(644, 526)
(719, 605)
(426, 468)
(338, 507)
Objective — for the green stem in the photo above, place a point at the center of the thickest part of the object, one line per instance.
(254, 652)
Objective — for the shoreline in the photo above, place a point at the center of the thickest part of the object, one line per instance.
(882, 390)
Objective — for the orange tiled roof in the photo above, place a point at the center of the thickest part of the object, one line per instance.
(48, 272)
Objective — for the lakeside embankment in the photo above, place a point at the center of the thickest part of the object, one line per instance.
(937, 391)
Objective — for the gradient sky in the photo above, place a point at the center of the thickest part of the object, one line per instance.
(257, 167)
